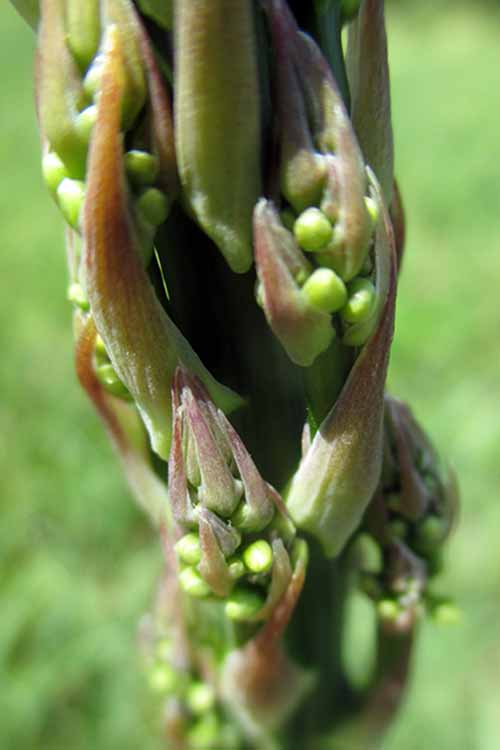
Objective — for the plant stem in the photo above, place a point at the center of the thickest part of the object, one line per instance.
(316, 638)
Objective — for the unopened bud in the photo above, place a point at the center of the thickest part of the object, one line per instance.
(110, 380)
(77, 296)
(162, 679)
(312, 230)
(200, 698)
(153, 205)
(53, 170)
(141, 167)
(70, 197)
(304, 330)
(193, 584)
(83, 29)
(85, 122)
(361, 302)
(188, 549)
(258, 556)
(325, 290)
(220, 172)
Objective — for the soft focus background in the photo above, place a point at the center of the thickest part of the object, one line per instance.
(78, 562)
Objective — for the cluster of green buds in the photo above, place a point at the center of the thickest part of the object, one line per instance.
(191, 710)
(407, 524)
(225, 171)
(316, 259)
(238, 543)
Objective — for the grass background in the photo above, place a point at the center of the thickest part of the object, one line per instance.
(78, 562)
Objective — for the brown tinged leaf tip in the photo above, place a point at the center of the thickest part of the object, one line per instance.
(261, 684)
(368, 73)
(338, 475)
(143, 344)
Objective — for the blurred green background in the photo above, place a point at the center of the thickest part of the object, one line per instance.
(78, 561)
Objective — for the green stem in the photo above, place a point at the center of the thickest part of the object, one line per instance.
(323, 20)
(315, 638)
(230, 334)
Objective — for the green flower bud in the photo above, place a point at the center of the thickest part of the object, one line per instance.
(70, 197)
(303, 329)
(334, 138)
(388, 610)
(188, 549)
(141, 167)
(236, 568)
(312, 230)
(83, 29)
(243, 604)
(302, 169)
(372, 208)
(77, 296)
(325, 290)
(193, 584)
(200, 698)
(361, 303)
(369, 553)
(162, 679)
(430, 533)
(258, 556)
(85, 121)
(153, 205)
(93, 77)
(217, 94)
(53, 170)
(110, 380)
(100, 350)
(205, 733)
